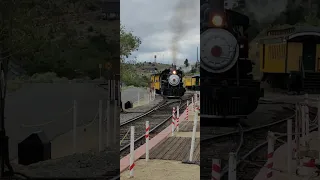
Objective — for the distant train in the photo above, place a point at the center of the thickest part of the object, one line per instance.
(192, 82)
(168, 83)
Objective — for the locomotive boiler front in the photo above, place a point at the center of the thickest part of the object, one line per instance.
(219, 50)
(174, 80)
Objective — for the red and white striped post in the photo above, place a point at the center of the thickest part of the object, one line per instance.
(131, 152)
(178, 116)
(307, 122)
(147, 140)
(216, 169)
(306, 101)
(303, 126)
(187, 113)
(173, 121)
(270, 154)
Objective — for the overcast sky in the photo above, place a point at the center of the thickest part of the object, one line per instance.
(163, 28)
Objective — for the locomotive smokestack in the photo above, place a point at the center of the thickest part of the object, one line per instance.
(217, 4)
(174, 66)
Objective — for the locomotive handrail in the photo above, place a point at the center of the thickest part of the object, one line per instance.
(301, 66)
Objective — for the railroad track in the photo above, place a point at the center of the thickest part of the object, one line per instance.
(249, 144)
(158, 119)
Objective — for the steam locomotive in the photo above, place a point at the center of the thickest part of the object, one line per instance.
(168, 83)
(228, 89)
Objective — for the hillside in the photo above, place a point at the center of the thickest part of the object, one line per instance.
(69, 38)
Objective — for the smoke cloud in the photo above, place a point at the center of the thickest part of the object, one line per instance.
(268, 10)
(184, 17)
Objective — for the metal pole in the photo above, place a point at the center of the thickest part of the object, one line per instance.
(270, 154)
(307, 122)
(115, 120)
(74, 126)
(303, 126)
(100, 69)
(100, 126)
(318, 113)
(232, 166)
(193, 136)
(109, 127)
(289, 141)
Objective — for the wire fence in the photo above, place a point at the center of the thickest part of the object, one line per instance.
(142, 99)
(81, 128)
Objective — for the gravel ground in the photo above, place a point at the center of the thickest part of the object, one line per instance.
(134, 112)
(90, 164)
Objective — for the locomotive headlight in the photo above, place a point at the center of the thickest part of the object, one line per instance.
(174, 72)
(217, 20)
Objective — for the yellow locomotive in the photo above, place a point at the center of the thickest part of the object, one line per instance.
(192, 82)
(291, 53)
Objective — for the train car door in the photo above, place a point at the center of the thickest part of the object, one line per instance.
(197, 81)
(318, 59)
(309, 56)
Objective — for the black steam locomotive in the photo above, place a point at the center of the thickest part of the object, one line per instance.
(171, 84)
(228, 90)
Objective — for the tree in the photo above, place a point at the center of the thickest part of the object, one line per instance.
(193, 69)
(128, 43)
(186, 63)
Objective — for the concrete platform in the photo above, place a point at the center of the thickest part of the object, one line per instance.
(175, 148)
(163, 169)
(187, 126)
(159, 138)
(280, 161)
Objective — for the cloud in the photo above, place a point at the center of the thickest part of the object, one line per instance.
(153, 22)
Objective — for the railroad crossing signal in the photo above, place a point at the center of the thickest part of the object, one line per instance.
(108, 65)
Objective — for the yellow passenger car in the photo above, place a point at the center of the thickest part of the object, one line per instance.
(187, 82)
(155, 82)
(196, 82)
(291, 52)
(192, 82)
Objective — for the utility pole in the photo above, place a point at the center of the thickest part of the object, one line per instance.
(217, 4)
(197, 55)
